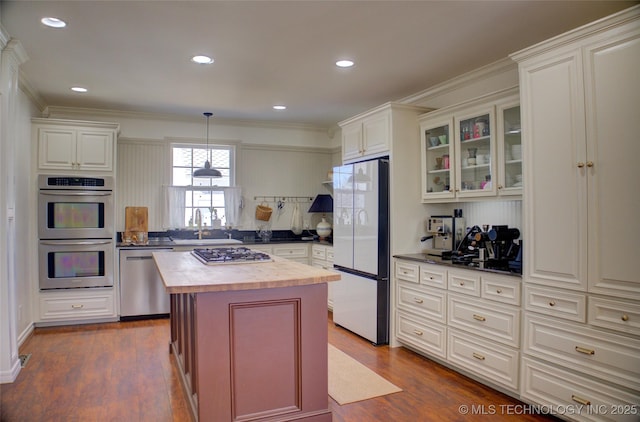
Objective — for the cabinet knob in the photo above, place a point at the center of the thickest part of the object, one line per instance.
(499, 291)
(552, 303)
(499, 186)
(580, 164)
(589, 163)
(625, 317)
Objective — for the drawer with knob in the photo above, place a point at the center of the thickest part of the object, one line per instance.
(557, 303)
(427, 337)
(503, 289)
(429, 303)
(467, 282)
(433, 276)
(491, 320)
(613, 357)
(407, 271)
(614, 314)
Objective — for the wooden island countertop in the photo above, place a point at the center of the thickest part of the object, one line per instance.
(182, 272)
(249, 339)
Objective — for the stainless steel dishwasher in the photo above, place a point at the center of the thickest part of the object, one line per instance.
(142, 292)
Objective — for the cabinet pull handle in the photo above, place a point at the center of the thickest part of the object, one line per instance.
(478, 356)
(78, 306)
(417, 332)
(479, 318)
(580, 164)
(589, 163)
(552, 303)
(417, 300)
(580, 400)
(585, 351)
(625, 317)
(499, 291)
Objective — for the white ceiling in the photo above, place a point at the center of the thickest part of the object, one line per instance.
(135, 55)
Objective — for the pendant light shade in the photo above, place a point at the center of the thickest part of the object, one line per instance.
(207, 171)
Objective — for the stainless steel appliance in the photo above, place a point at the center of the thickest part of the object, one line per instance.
(75, 263)
(447, 233)
(361, 249)
(142, 292)
(76, 231)
(214, 256)
(71, 207)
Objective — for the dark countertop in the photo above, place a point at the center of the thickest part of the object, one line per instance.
(430, 259)
(165, 242)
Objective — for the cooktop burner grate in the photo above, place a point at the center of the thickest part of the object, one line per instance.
(239, 255)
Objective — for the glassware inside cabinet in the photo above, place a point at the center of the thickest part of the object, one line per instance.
(475, 150)
(512, 148)
(438, 161)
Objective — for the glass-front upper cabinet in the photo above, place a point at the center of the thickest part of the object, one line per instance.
(510, 151)
(475, 172)
(437, 158)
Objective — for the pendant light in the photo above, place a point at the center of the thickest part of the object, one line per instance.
(207, 171)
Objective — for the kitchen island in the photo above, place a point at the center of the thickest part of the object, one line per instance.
(250, 339)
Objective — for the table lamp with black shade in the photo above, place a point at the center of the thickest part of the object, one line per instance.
(322, 204)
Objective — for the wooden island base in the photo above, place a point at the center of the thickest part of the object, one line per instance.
(253, 355)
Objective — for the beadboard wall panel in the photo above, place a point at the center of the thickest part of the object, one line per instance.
(262, 170)
(142, 170)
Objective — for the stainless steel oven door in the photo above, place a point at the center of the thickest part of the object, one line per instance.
(75, 214)
(69, 264)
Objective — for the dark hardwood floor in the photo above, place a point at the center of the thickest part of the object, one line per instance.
(123, 372)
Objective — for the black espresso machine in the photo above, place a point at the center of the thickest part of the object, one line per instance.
(496, 248)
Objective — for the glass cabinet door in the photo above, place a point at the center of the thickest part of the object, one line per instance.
(510, 182)
(437, 159)
(476, 161)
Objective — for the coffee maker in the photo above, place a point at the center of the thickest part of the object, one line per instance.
(494, 248)
(446, 232)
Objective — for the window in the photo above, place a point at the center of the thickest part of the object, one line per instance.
(205, 194)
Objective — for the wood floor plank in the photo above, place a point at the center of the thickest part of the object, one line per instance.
(123, 372)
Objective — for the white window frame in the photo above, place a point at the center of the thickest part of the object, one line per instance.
(190, 206)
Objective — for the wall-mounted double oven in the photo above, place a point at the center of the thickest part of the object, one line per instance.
(76, 231)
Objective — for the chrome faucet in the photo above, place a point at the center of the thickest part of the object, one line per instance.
(199, 223)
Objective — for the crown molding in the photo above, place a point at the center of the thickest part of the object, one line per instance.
(461, 81)
(27, 87)
(59, 111)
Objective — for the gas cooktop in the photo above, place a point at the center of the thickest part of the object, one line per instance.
(227, 255)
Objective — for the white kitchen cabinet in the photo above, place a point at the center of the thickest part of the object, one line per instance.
(322, 257)
(466, 151)
(580, 152)
(369, 135)
(578, 106)
(75, 145)
(469, 319)
(75, 305)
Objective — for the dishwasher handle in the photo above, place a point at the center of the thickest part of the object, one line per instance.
(139, 258)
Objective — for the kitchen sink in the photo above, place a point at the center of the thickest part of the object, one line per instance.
(205, 242)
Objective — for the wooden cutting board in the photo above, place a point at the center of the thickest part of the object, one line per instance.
(136, 219)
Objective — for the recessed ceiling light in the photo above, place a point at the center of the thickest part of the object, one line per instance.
(202, 59)
(79, 89)
(344, 63)
(53, 22)
(279, 107)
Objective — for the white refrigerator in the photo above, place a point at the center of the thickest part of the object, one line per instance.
(361, 248)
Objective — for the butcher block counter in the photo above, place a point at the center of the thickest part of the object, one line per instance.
(249, 339)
